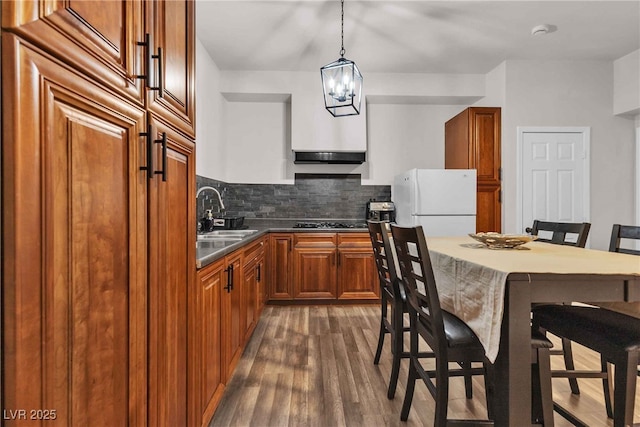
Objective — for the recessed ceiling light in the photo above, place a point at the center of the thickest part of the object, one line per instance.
(541, 30)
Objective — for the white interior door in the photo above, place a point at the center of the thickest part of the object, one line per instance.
(553, 175)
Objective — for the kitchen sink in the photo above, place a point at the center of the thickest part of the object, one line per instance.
(215, 243)
(234, 235)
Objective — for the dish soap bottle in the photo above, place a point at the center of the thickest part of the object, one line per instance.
(207, 221)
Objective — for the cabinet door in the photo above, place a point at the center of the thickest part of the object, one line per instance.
(98, 37)
(249, 299)
(74, 251)
(357, 271)
(232, 333)
(171, 274)
(211, 280)
(280, 266)
(263, 282)
(172, 27)
(314, 273)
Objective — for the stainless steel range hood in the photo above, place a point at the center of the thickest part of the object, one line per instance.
(329, 157)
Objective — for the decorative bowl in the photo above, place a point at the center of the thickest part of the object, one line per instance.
(494, 240)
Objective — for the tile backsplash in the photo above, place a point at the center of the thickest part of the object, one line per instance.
(312, 196)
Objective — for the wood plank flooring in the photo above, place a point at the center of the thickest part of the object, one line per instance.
(313, 366)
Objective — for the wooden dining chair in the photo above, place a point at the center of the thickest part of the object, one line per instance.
(616, 336)
(450, 339)
(563, 233)
(392, 296)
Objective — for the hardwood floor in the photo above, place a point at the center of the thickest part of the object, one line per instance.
(313, 366)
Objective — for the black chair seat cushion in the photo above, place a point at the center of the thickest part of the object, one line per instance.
(602, 330)
(458, 333)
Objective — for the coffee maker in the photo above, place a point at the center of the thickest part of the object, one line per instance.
(381, 211)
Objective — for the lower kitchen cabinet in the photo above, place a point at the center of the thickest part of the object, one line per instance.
(253, 260)
(232, 321)
(280, 271)
(314, 266)
(208, 357)
(333, 266)
(231, 295)
(357, 271)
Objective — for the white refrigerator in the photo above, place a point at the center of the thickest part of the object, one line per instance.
(442, 201)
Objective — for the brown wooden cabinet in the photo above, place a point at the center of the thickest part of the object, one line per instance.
(263, 276)
(280, 266)
(357, 271)
(232, 314)
(253, 260)
(211, 281)
(314, 266)
(170, 24)
(98, 268)
(322, 266)
(171, 275)
(97, 38)
(472, 141)
(74, 243)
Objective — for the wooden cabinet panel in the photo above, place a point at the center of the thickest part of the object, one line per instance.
(249, 299)
(171, 24)
(97, 37)
(489, 203)
(473, 141)
(280, 266)
(458, 152)
(209, 354)
(171, 274)
(74, 245)
(486, 143)
(357, 271)
(253, 260)
(314, 273)
(232, 333)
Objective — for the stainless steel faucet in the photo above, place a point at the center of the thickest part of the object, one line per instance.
(201, 189)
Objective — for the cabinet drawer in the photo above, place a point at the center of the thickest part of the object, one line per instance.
(253, 251)
(314, 240)
(354, 240)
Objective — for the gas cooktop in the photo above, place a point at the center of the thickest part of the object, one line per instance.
(329, 225)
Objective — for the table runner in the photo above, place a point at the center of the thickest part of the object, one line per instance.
(471, 278)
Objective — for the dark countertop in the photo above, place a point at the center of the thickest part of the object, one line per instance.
(210, 251)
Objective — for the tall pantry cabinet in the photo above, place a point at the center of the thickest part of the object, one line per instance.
(472, 141)
(98, 185)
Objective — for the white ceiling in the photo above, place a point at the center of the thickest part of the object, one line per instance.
(412, 36)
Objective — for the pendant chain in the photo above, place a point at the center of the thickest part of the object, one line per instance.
(342, 51)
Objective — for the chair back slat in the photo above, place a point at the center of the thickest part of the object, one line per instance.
(626, 232)
(420, 285)
(560, 230)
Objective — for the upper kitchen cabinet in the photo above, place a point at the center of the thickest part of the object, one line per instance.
(472, 141)
(100, 38)
(171, 28)
(74, 265)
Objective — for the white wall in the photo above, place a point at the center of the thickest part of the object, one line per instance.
(572, 93)
(626, 88)
(210, 149)
(403, 137)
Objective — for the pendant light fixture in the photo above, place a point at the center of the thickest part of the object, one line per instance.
(342, 83)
